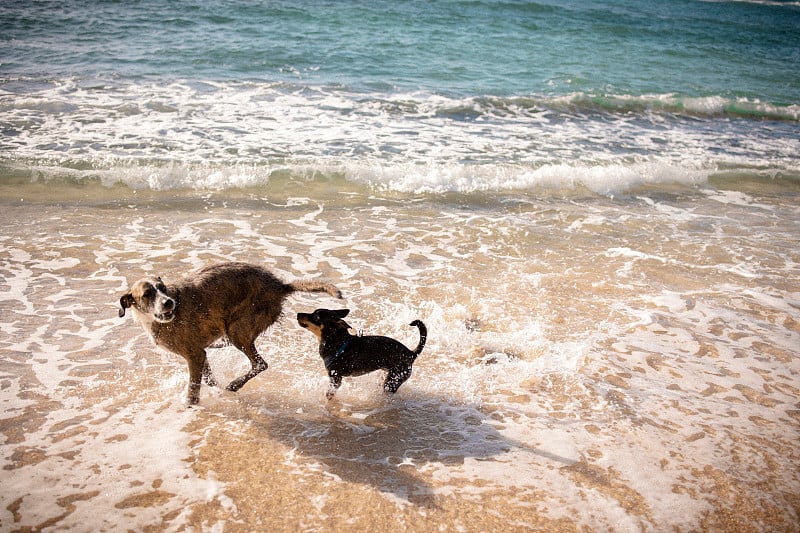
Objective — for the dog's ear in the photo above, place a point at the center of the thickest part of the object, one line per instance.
(340, 313)
(125, 302)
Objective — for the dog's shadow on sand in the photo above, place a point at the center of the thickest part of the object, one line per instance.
(391, 443)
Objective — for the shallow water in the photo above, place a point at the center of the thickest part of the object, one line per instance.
(596, 363)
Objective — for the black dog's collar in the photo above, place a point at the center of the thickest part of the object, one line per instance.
(330, 359)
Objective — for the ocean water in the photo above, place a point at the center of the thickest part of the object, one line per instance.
(593, 206)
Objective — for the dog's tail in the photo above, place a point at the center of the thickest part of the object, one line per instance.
(423, 335)
(315, 286)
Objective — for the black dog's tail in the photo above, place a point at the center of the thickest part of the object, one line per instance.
(423, 335)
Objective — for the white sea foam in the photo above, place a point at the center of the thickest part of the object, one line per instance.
(237, 135)
(155, 465)
(415, 177)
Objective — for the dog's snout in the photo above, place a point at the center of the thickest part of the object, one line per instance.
(169, 304)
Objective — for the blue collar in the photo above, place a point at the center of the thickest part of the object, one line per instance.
(329, 360)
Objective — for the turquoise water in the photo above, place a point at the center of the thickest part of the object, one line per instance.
(472, 96)
(452, 48)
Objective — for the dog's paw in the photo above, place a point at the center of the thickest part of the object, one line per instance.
(190, 401)
(191, 395)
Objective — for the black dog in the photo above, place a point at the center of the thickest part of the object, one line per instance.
(350, 355)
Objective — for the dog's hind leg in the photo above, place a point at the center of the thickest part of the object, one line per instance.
(396, 377)
(258, 365)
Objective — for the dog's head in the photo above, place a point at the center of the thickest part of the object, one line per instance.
(323, 320)
(149, 297)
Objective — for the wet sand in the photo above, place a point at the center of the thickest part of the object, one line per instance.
(594, 364)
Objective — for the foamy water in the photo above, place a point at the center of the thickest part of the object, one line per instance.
(606, 364)
(227, 135)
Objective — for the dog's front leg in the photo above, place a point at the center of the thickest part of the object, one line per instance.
(336, 382)
(208, 377)
(197, 367)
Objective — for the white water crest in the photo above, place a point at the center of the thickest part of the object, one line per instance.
(215, 135)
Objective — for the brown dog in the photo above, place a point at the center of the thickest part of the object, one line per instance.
(350, 355)
(234, 300)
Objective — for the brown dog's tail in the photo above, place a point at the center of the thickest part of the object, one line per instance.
(423, 335)
(315, 286)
